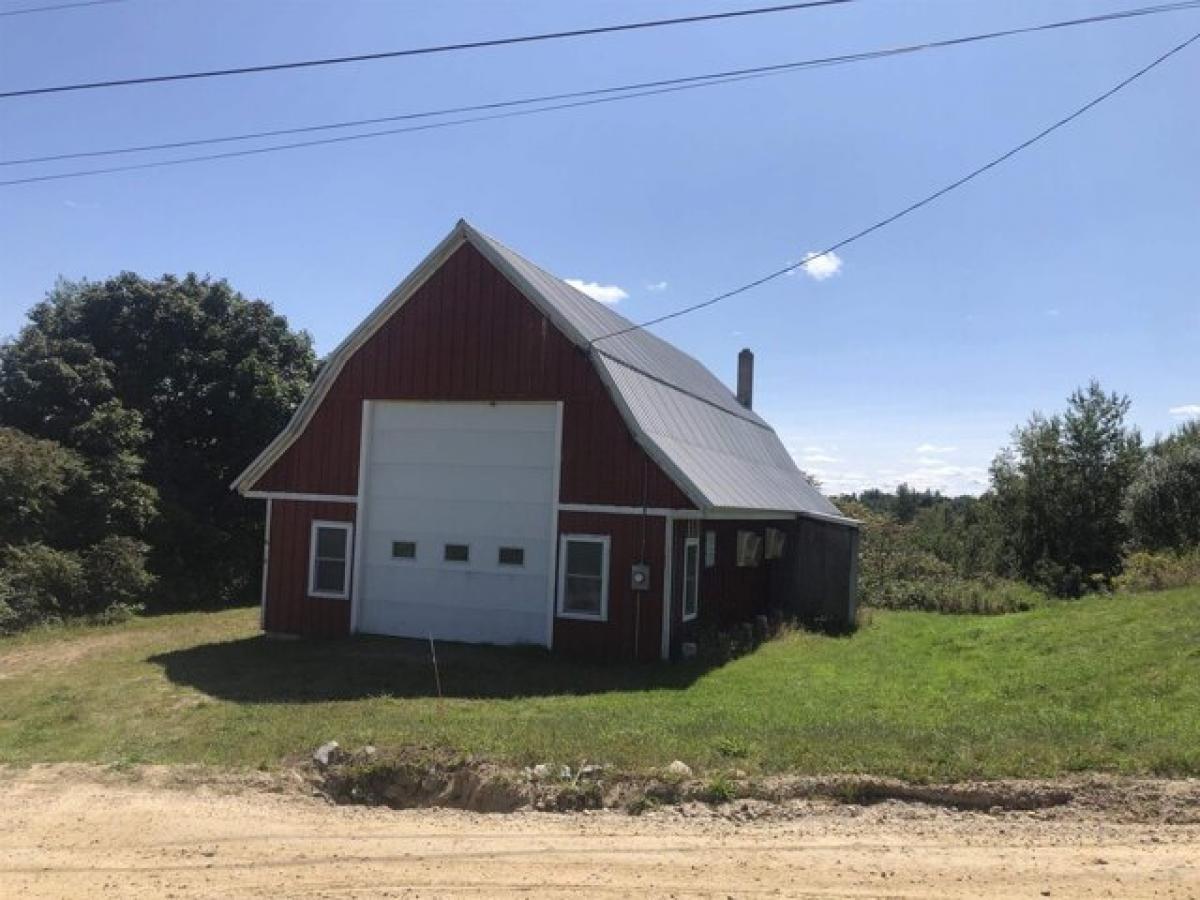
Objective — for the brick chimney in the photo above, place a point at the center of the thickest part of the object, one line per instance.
(745, 379)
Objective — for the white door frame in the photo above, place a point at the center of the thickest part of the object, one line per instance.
(364, 458)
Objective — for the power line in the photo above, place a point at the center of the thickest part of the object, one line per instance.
(30, 10)
(913, 207)
(693, 80)
(426, 51)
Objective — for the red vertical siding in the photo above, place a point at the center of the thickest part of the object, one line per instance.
(289, 607)
(468, 334)
(729, 593)
(634, 617)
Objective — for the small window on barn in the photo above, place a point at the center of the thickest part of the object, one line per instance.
(329, 559)
(710, 549)
(775, 542)
(457, 553)
(749, 549)
(583, 577)
(404, 549)
(512, 556)
(691, 579)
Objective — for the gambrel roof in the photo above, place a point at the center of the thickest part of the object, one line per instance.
(724, 457)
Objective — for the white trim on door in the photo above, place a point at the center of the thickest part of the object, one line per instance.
(360, 512)
(552, 568)
(668, 539)
(690, 543)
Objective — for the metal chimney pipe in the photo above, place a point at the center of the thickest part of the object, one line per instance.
(745, 379)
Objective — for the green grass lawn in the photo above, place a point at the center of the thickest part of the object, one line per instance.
(1106, 683)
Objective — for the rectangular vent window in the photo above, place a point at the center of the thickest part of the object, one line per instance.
(404, 549)
(457, 553)
(512, 556)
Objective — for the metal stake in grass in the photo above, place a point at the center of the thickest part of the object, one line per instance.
(437, 678)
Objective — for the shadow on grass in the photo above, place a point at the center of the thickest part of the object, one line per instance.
(263, 670)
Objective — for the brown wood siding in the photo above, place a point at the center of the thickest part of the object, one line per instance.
(630, 612)
(290, 609)
(729, 593)
(468, 334)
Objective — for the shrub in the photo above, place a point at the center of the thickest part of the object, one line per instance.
(987, 595)
(1146, 571)
(115, 571)
(720, 789)
(40, 584)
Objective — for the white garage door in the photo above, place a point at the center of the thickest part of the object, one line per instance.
(457, 521)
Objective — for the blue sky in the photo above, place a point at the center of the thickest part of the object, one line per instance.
(912, 362)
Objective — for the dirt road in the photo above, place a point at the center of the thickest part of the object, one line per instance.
(76, 832)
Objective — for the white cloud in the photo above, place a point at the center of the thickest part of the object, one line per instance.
(605, 293)
(821, 266)
(935, 448)
(656, 287)
(1185, 411)
(818, 458)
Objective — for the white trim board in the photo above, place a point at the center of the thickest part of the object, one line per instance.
(668, 540)
(604, 510)
(304, 498)
(360, 523)
(555, 507)
(266, 567)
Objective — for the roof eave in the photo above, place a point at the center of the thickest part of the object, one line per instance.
(338, 358)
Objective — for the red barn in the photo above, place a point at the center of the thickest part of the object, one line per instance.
(492, 456)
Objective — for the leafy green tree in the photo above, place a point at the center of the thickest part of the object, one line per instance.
(183, 373)
(34, 477)
(1162, 506)
(1058, 492)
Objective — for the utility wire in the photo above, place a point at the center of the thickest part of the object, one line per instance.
(913, 207)
(426, 51)
(695, 80)
(30, 10)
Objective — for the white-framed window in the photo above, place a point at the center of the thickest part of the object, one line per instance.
(691, 578)
(583, 576)
(329, 559)
(710, 549)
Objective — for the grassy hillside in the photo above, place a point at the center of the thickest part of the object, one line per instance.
(1103, 683)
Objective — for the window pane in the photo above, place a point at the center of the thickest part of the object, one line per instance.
(331, 543)
(512, 556)
(585, 558)
(691, 561)
(582, 595)
(457, 553)
(404, 549)
(330, 576)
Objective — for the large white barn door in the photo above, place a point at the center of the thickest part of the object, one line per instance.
(457, 521)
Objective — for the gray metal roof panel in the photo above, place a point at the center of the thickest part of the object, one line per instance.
(732, 463)
(638, 347)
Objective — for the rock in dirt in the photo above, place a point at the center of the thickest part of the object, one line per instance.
(328, 754)
(679, 769)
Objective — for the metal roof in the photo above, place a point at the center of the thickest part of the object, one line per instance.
(722, 455)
